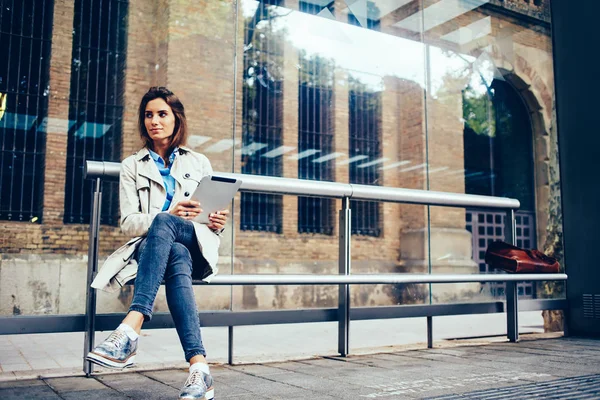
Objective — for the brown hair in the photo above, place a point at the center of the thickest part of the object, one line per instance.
(180, 132)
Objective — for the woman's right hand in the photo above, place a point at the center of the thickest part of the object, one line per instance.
(187, 209)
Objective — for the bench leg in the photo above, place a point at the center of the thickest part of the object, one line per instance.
(430, 332)
(512, 298)
(230, 345)
(512, 312)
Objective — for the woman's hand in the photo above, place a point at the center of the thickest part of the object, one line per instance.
(218, 220)
(186, 209)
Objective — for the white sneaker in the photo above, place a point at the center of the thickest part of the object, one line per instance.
(199, 385)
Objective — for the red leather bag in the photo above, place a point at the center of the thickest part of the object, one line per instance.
(513, 259)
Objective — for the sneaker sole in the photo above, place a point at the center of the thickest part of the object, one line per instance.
(108, 363)
(210, 395)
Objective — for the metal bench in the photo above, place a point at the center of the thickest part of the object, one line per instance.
(100, 171)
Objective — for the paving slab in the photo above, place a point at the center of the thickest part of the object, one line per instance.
(82, 388)
(138, 386)
(27, 389)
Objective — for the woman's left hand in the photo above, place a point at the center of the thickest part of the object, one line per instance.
(218, 220)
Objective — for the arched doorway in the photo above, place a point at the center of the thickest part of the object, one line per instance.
(499, 161)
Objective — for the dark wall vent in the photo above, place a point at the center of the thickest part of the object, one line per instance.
(591, 306)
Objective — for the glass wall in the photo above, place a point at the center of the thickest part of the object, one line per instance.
(442, 95)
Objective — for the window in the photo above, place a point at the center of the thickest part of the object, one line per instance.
(497, 123)
(95, 103)
(364, 140)
(316, 6)
(369, 19)
(25, 35)
(262, 123)
(315, 138)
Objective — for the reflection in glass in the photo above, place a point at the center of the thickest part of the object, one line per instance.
(365, 140)
(315, 137)
(444, 95)
(262, 116)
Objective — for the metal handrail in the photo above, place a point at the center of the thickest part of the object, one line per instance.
(304, 187)
(358, 279)
(101, 170)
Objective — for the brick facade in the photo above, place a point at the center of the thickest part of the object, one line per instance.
(190, 47)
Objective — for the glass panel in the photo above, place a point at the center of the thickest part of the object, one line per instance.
(71, 81)
(488, 132)
(442, 95)
(335, 84)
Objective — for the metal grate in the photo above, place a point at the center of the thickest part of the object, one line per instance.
(581, 387)
(364, 140)
(25, 37)
(95, 103)
(262, 123)
(488, 226)
(315, 139)
(591, 306)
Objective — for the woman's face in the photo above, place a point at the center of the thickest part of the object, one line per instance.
(159, 120)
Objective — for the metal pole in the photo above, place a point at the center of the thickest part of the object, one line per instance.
(512, 307)
(90, 309)
(344, 269)
(430, 332)
(230, 345)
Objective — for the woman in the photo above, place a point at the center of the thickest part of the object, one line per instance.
(155, 186)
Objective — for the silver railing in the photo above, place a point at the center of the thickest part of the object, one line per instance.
(100, 171)
(90, 322)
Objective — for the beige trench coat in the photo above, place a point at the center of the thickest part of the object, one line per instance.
(142, 195)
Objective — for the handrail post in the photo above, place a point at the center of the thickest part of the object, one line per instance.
(230, 345)
(512, 298)
(90, 302)
(344, 269)
(430, 332)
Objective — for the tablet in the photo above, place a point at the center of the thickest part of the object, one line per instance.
(215, 193)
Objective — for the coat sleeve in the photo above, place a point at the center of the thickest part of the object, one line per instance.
(206, 167)
(133, 221)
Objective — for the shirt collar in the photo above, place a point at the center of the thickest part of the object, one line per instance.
(156, 157)
(145, 152)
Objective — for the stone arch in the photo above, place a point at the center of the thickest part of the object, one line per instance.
(538, 99)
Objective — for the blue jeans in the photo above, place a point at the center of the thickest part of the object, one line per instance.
(168, 252)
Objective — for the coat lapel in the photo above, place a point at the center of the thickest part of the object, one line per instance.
(147, 167)
(176, 172)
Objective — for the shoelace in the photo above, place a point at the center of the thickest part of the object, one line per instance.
(195, 378)
(116, 338)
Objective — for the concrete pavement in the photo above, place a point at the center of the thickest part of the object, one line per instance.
(536, 367)
(60, 354)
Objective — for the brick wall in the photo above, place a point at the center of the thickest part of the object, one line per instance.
(190, 47)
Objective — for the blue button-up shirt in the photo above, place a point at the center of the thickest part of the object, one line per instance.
(165, 172)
